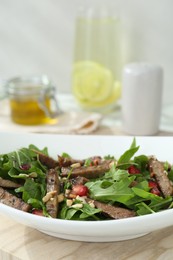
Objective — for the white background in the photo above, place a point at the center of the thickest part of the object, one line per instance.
(37, 36)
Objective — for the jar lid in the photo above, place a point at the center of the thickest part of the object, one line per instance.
(2, 89)
(27, 85)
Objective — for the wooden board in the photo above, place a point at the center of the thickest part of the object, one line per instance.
(20, 242)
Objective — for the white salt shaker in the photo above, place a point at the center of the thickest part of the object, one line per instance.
(141, 98)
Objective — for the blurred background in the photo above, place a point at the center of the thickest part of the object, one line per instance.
(38, 37)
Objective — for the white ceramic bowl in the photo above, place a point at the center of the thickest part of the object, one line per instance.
(81, 147)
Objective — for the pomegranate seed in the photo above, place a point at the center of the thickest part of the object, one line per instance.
(155, 191)
(38, 212)
(152, 184)
(133, 170)
(80, 190)
(95, 162)
(25, 166)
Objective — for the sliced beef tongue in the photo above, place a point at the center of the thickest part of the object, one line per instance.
(157, 171)
(113, 211)
(47, 160)
(65, 162)
(79, 180)
(90, 172)
(53, 189)
(8, 183)
(12, 201)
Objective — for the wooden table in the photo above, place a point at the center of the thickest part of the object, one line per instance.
(21, 242)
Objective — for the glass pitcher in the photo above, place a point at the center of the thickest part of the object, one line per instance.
(97, 62)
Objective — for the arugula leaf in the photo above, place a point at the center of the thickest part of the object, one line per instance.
(84, 213)
(18, 158)
(33, 190)
(133, 144)
(87, 162)
(143, 209)
(170, 174)
(67, 213)
(160, 203)
(127, 155)
(115, 174)
(144, 194)
(115, 191)
(157, 204)
(141, 161)
(109, 157)
(88, 211)
(35, 203)
(32, 148)
(66, 155)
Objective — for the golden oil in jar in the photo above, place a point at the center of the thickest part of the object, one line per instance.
(28, 112)
(31, 101)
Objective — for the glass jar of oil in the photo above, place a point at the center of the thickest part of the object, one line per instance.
(32, 100)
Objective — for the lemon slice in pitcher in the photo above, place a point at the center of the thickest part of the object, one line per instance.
(91, 81)
(113, 97)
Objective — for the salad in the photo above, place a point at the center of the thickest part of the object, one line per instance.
(94, 188)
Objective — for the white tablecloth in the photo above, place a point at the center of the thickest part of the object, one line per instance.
(74, 120)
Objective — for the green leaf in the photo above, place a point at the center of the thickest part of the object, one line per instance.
(133, 144)
(88, 211)
(115, 174)
(160, 203)
(68, 213)
(35, 203)
(141, 161)
(157, 203)
(84, 213)
(115, 192)
(109, 157)
(32, 148)
(87, 162)
(66, 155)
(33, 190)
(170, 174)
(143, 209)
(127, 155)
